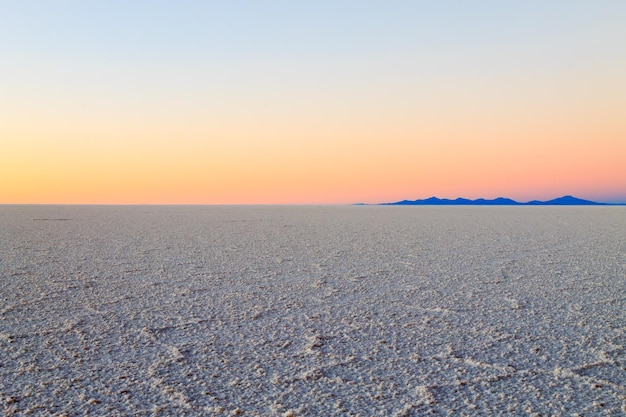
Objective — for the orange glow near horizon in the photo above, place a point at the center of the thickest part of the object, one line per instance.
(358, 167)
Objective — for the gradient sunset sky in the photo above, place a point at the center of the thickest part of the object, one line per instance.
(319, 102)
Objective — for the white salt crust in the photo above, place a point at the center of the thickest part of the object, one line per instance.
(316, 311)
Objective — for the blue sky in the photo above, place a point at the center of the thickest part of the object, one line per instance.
(389, 84)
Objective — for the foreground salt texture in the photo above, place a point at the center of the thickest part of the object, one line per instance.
(312, 310)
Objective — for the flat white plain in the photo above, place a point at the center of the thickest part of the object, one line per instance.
(303, 310)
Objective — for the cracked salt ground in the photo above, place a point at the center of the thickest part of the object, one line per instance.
(287, 311)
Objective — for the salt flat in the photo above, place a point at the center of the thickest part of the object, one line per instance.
(279, 311)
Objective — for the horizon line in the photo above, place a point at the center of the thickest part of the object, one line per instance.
(613, 202)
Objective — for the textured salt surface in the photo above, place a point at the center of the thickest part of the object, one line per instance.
(282, 311)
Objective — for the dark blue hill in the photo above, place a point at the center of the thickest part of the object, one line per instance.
(567, 200)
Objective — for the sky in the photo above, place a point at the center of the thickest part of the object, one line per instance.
(320, 102)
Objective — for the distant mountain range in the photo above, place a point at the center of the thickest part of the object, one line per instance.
(567, 200)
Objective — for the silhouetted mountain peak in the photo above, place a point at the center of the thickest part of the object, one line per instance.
(568, 200)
